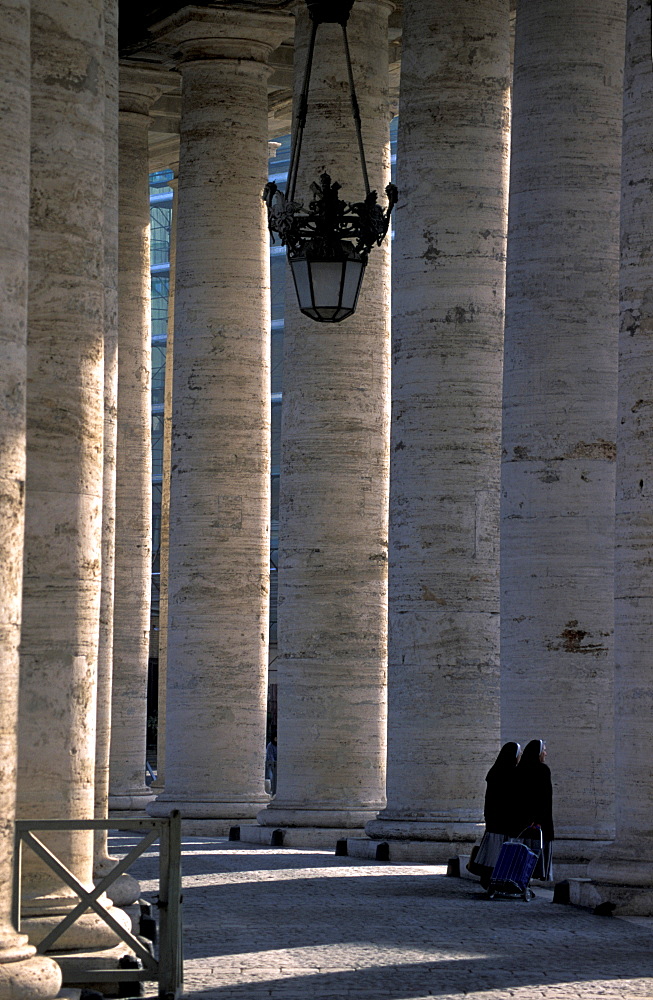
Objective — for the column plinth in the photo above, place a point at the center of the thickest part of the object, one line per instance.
(218, 559)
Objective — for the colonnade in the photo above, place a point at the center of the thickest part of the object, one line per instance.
(502, 479)
(477, 520)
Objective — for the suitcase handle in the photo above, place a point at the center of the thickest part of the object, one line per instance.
(518, 838)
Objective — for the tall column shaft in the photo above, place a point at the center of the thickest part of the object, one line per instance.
(133, 561)
(560, 386)
(627, 866)
(218, 561)
(62, 577)
(333, 515)
(22, 975)
(448, 296)
(110, 249)
(158, 785)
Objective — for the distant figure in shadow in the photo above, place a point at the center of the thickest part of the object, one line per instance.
(534, 801)
(271, 764)
(500, 813)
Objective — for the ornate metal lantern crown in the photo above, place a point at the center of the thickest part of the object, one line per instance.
(328, 244)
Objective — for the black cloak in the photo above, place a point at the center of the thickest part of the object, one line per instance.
(500, 814)
(534, 793)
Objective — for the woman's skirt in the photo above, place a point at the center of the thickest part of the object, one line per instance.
(489, 848)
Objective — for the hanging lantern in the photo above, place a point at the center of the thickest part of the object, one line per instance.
(328, 244)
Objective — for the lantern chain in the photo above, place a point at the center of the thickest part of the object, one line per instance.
(355, 109)
(302, 111)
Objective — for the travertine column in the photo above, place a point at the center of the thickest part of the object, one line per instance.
(125, 889)
(158, 785)
(560, 386)
(627, 866)
(102, 861)
(448, 297)
(334, 473)
(63, 520)
(219, 487)
(139, 87)
(22, 975)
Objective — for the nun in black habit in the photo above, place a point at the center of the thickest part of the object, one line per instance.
(499, 811)
(535, 805)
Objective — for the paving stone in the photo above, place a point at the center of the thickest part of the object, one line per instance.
(265, 923)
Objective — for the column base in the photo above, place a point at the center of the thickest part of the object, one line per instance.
(125, 890)
(433, 829)
(622, 875)
(339, 818)
(89, 931)
(213, 809)
(577, 853)
(626, 865)
(135, 800)
(626, 900)
(412, 852)
(24, 975)
(103, 862)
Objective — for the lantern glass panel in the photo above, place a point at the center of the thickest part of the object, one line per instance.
(327, 290)
(302, 281)
(327, 278)
(352, 284)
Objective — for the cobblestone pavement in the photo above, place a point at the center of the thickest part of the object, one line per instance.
(263, 923)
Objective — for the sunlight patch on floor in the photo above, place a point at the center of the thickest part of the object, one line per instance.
(324, 958)
(297, 875)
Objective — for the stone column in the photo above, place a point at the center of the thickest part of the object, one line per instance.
(23, 975)
(220, 480)
(448, 298)
(139, 87)
(560, 384)
(125, 889)
(158, 785)
(63, 522)
(626, 868)
(334, 474)
(102, 862)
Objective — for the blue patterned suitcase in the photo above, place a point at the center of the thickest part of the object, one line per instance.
(513, 871)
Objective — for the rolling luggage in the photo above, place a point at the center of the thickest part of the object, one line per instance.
(513, 870)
